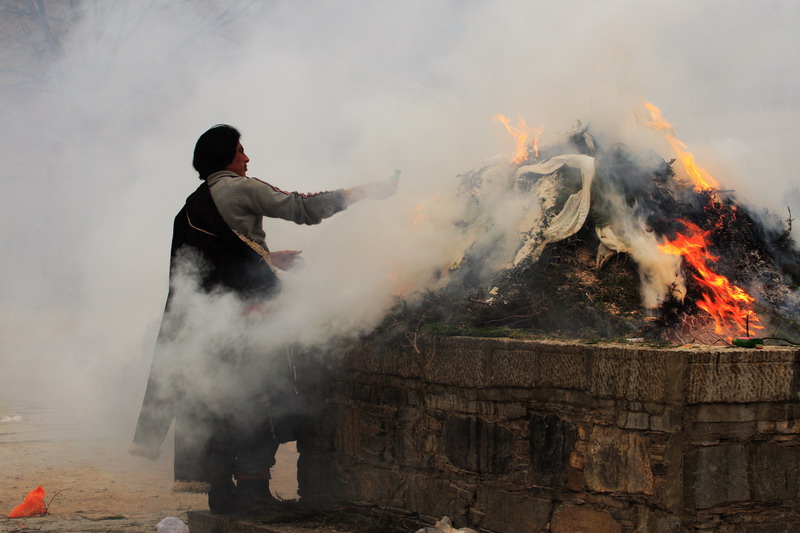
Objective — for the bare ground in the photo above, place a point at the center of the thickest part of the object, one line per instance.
(95, 486)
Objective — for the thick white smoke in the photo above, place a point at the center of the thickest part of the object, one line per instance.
(95, 154)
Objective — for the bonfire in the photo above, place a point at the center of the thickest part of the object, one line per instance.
(611, 243)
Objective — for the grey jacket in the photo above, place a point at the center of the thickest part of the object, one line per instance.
(244, 201)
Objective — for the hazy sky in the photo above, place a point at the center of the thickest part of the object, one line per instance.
(95, 153)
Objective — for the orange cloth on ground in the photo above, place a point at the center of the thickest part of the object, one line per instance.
(33, 504)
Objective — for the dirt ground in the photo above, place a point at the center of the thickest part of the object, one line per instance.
(67, 427)
(94, 485)
(66, 424)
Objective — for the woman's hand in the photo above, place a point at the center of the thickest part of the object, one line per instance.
(375, 190)
(286, 259)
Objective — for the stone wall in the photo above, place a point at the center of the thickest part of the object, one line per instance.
(524, 436)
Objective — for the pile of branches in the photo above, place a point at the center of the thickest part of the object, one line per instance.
(563, 292)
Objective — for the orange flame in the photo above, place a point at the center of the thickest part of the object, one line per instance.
(701, 179)
(521, 134)
(536, 134)
(727, 303)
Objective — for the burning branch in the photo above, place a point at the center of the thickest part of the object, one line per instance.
(725, 302)
(521, 134)
(702, 180)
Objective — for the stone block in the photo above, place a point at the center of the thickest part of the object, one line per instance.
(617, 461)
(765, 426)
(372, 438)
(675, 367)
(564, 369)
(562, 396)
(788, 427)
(630, 405)
(570, 518)
(458, 361)
(577, 460)
(671, 421)
(552, 440)
(656, 521)
(742, 376)
(378, 393)
(374, 486)
(629, 374)
(478, 445)
(791, 411)
(576, 481)
(499, 510)
(319, 479)
(435, 496)
(511, 410)
(448, 401)
(716, 475)
(774, 411)
(362, 356)
(703, 432)
(670, 491)
(514, 368)
(347, 431)
(630, 420)
(408, 439)
(524, 364)
(774, 471)
(716, 412)
(653, 408)
(788, 527)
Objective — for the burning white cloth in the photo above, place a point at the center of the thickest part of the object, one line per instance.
(573, 215)
(609, 244)
(660, 274)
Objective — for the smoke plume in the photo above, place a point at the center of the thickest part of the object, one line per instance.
(102, 109)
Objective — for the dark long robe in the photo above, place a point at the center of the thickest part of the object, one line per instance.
(229, 263)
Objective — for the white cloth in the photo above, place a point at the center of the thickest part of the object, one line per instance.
(660, 274)
(609, 243)
(573, 215)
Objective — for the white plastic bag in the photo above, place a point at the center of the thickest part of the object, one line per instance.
(172, 525)
(445, 526)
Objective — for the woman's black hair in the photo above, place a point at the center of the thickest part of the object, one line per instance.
(215, 149)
